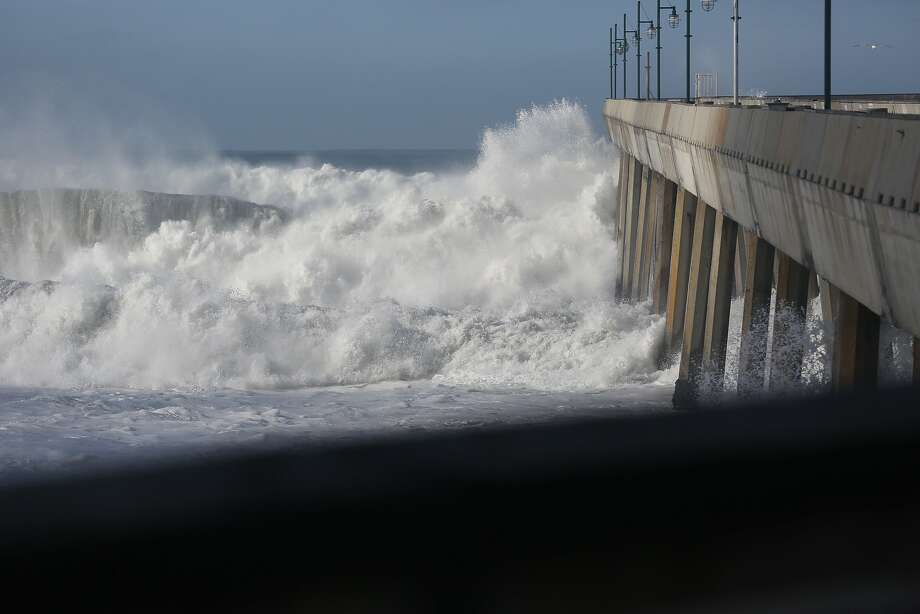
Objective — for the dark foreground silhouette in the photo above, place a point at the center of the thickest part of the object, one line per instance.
(806, 505)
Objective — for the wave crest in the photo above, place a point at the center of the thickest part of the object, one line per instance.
(501, 275)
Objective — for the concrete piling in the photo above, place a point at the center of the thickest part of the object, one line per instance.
(813, 289)
(856, 344)
(648, 245)
(632, 220)
(788, 349)
(622, 199)
(687, 389)
(718, 309)
(665, 236)
(679, 274)
(639, 262)
(754, 325)
(740, 267)
(917, 361)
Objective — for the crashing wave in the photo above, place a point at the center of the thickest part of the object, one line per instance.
(497, 276)
(40, 228)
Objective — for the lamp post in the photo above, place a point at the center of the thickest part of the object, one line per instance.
(638, 32)
(612, 78)
(709, 5)
(673, 21)
(827, 55)
(625, 49)
(688, 36)
(620, 47)
(636, 36)
(736, 26)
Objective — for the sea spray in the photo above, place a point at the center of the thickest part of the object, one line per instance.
(501, 275)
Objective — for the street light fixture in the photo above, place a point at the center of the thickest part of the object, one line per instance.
(673, 18)
(708, 5)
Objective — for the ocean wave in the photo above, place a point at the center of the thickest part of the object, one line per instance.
(499, 275)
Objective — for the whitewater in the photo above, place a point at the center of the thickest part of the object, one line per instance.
(184, 306)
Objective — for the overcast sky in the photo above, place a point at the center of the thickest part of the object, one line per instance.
(314, 74)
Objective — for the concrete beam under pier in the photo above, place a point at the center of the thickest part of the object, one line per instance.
(718, 310)
(681, 250)
(917, 361)
(647, 255)
(633, 198)
(754, 325)
(856, 344)
(639, 260)
(788, 349)
(687, 389)
(622, 200)
(664, 234)
(740, 267)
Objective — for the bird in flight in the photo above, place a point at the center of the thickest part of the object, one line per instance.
(873, 46)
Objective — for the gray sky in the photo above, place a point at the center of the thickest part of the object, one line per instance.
(313, 74)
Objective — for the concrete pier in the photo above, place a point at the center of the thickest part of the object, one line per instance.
(714, 198)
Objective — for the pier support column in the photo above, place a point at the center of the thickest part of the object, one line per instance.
(917, 361)
(718, 309)
(826, 294)
(687, 389)
(856, 338)
(740, 267)
(679, 274)
(664, 234)
(792, 287)
(755, 323)
(813, 290)
(639, 262)
(622, 200)
(656, 182)
(632, 220)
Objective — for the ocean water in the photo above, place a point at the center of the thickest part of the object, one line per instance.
(186, 304)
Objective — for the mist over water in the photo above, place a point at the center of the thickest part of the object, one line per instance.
(499, 274)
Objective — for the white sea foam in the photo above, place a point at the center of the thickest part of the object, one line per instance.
(501, 275)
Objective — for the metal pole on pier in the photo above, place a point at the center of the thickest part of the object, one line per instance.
(611, 63)
(648, 75)
(689, 36)
(616, 36)
(827, 55)
(736, 21)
